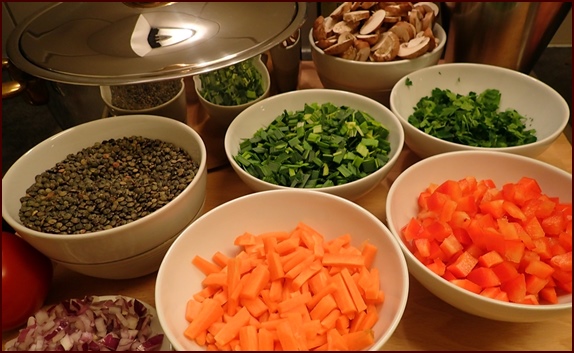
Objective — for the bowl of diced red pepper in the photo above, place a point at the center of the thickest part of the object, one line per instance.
(488, 232)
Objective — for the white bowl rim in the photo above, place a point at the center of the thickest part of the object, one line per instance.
(412, 259)
(478, 66)
(437, 28)
(202, 168)
(260, 66)
(394, 156)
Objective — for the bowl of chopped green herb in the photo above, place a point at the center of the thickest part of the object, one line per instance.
(226, 92)
(326, 140)
(106, 198)
(467, 106)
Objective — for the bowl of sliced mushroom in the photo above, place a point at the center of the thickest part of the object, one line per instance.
(366, 47)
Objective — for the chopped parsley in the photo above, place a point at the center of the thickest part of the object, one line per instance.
(408, 82)
(473, 120)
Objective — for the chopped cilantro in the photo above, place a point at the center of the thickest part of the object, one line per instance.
(473, 120)
(408, 82)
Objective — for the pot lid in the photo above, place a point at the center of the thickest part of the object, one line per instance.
(113, 43)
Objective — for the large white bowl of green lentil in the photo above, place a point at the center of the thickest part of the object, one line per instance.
(107, 190)
(325, 140)
(466, 106)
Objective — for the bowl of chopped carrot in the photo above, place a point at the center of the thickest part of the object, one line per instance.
(467, 106)
(283, 270)
(489, 233)
(325, 140)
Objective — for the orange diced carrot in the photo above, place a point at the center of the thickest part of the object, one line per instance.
(248, 338)
(258, 279)
(231, 329)
(323, 307)
(339, 259)
(192, 309)
(353, 290)
(264, 340)
(204, 265)
(356, 341)
(220, 259)
(342, 296)
(209, 313)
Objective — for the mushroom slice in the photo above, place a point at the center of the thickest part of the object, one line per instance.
(427, 7)
(404, 30)
(428, 20)
(433, 40)
(338, 13)
(355, 5)
(345, 36)
(371, 38)
(414, 47)
(356, 16)
(363, 50)
(342, 27)
(328, 24)
(388, 49)
(398, 9)
(326, 43)
(392, 19)
(319, 29)
(415, 18)
(349, 54)
(338, 48)
(374, 22)
(367, 5)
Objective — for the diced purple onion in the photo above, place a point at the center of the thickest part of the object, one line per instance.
(120, 324)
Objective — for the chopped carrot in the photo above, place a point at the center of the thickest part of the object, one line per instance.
(204, 265)
(287, 291)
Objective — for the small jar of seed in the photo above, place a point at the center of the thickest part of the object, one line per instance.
(164, 98)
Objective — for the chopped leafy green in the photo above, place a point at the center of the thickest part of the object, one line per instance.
(473, 120)
(319, 146)
(408, 82)
(232, 85)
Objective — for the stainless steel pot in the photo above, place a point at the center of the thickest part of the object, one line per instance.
(63, 54)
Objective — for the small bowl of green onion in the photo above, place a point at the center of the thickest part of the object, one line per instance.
(226, 92)
(326, 140)
(467, 106)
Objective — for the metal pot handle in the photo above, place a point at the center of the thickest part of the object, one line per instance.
(33, 88)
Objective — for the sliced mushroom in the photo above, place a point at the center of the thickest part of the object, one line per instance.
(371, 38)
(374, 22)
(367, 4)
(339, 48)
(388, 49)
(342, 27)
(319, 29)
(355, 5)
(427, 7)
(428, 20)
(404, 30)
(326, 43)
(345, 36)
(392, 19)
(328, 24)
(414, 48)
(350, 53)
(398, 9)
(363, 50)
(415, 18)
(338, 13)
(433, 40)
(356, 16)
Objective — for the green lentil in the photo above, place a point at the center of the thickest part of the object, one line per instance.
(144, 95)
(107, 185)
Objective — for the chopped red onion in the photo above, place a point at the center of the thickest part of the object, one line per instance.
(88, 324)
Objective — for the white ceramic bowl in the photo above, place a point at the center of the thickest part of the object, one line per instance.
(132, 267)
(178, 279)
(120, 242)
(502, 168)
(263, 113)
(223, 115)
(545, 110)
(175, 108)
(371, 79)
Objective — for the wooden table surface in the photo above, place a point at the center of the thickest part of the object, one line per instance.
(428, 323)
